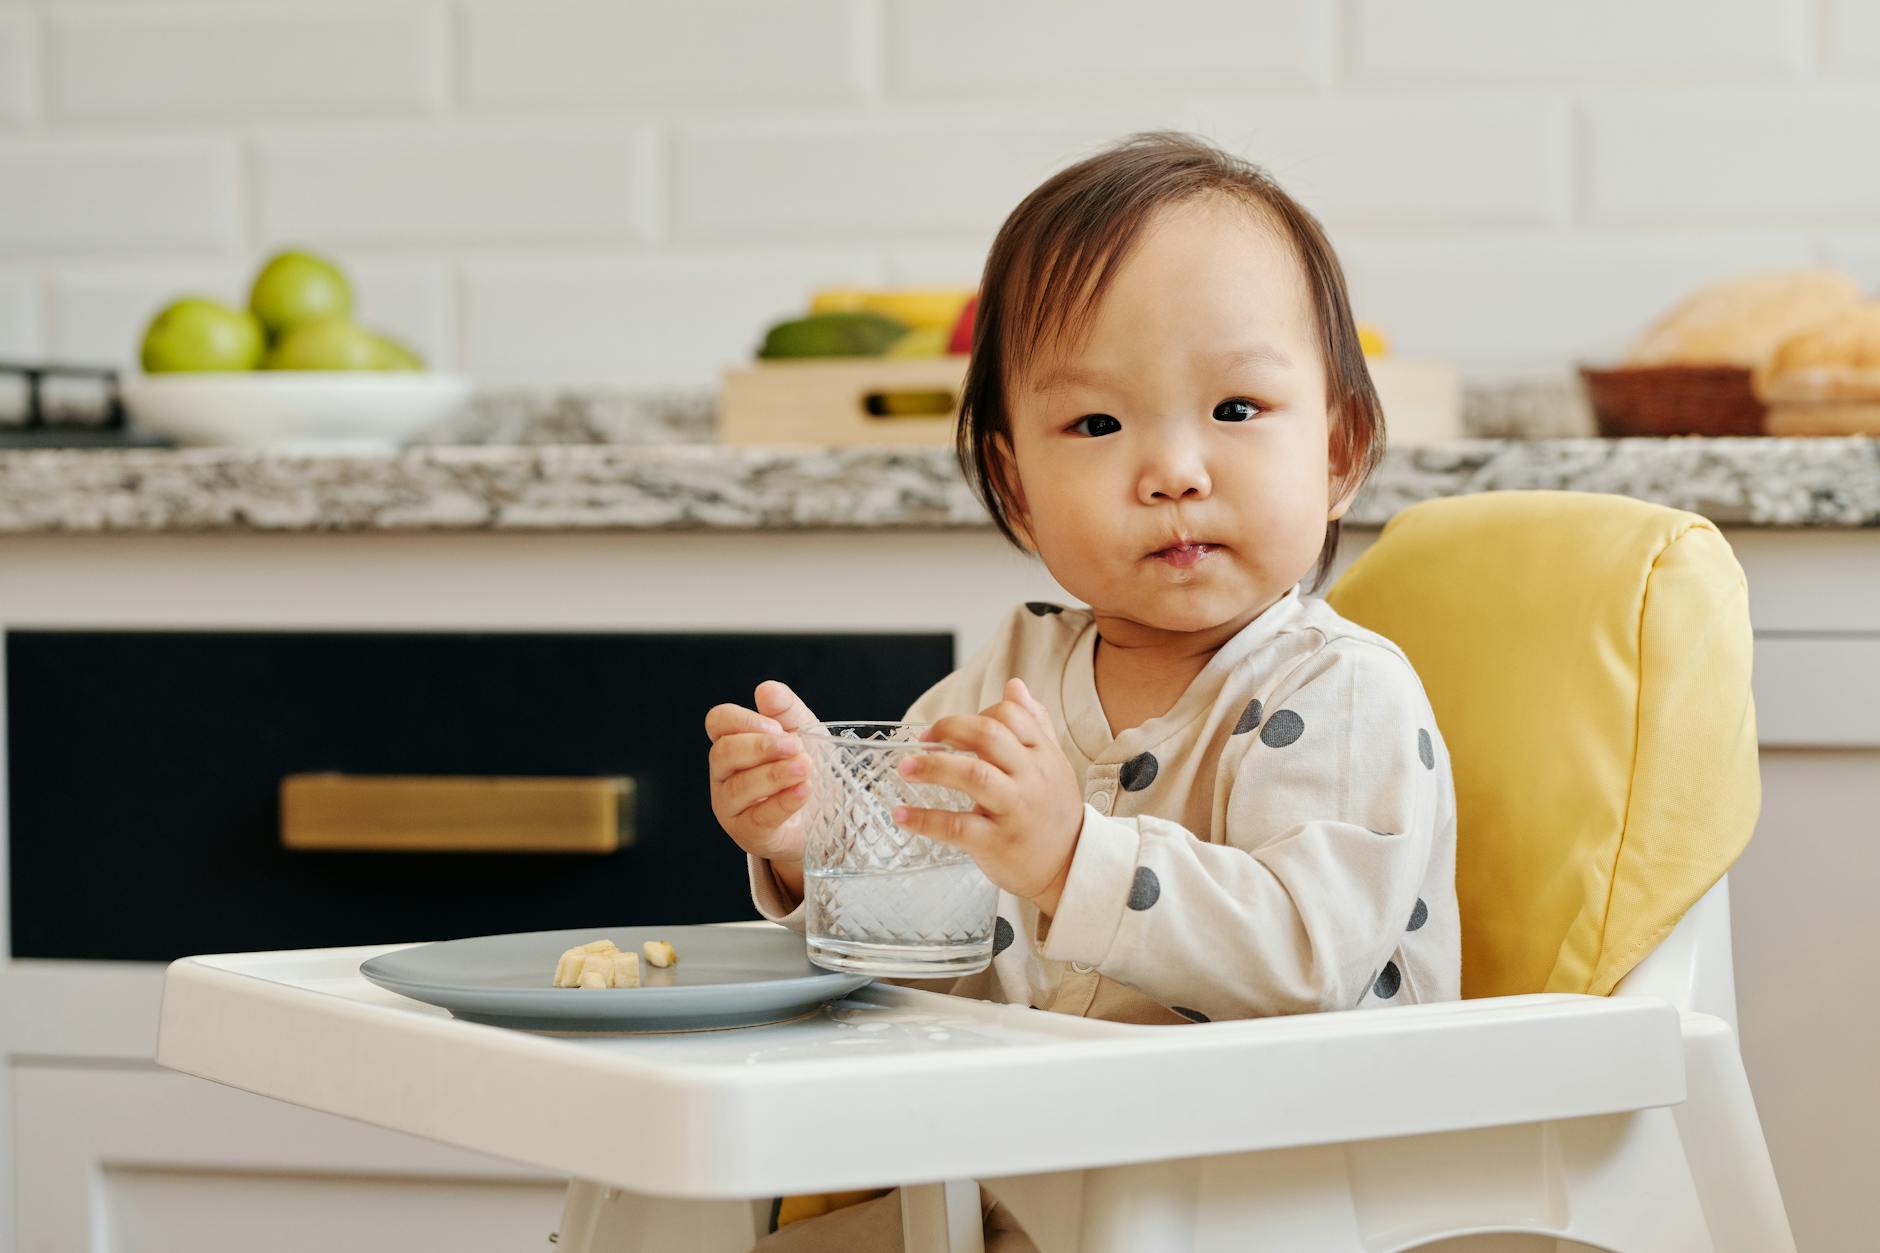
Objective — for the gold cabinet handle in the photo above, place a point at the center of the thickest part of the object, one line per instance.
(455, 814)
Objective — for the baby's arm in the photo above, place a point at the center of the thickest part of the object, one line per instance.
(1330, 823)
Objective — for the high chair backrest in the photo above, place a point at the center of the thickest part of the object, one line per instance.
(1588, 660)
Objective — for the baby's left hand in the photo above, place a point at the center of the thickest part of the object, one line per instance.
(1028, 811)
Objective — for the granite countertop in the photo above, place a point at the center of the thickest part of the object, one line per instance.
(1743, 482)
(586, 463)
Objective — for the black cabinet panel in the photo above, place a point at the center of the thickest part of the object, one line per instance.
(144, 772)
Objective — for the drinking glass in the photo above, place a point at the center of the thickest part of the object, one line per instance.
(880, 899)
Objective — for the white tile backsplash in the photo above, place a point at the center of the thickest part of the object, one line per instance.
(118, 196)
(1850, 38)
(1515, 185)
(666, 321)
(525, 54)
(138, 61)
(1858, 253)
(1487, 158)
(556, 183)
(964, 49)
(1536, 299)
(1717, 157)
(411, 299)
(886, 177)
(1450, 41)
(17, 79)
(19, 315)
(951, 265)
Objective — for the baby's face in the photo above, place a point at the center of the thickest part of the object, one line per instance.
(1193, 410)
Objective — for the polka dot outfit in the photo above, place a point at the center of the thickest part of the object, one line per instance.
(1282, 840)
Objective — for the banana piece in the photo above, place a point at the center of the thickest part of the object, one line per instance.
(617, 969)
(602, 964)
(569, 966)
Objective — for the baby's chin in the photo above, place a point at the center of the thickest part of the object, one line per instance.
(1176, 614)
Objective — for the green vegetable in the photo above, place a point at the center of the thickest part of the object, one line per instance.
(832, 335)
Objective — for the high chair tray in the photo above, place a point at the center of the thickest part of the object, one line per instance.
(892, 1084)
(725, 977)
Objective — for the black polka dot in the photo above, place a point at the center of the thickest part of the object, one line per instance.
(1282, 728)
(1041, 607)
(1418, 916)
(1388, 981)
(1426, 750)
(1249, 718)
(1145, 890)
(1139, 772)
(1192, 1015)
(1375, 831)
(1002, 936)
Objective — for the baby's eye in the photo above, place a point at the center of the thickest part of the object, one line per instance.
(1235, 410)
(1100, 424)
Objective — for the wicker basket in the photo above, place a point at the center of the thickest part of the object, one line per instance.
(1674, 400)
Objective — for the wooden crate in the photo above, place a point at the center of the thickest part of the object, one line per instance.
(840, 400)
(829, 400)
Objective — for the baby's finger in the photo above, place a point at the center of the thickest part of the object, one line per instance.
(961, 829)
(1019, 719)
(773, 811)
(747, 787)
(775, 700)
(730, 719)
(1026, 698)
(990, 787)
(988, 737)
(742, 750)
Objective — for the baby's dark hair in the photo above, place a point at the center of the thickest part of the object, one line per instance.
(1055, 257)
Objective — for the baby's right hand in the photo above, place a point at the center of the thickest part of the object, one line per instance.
(760, 773)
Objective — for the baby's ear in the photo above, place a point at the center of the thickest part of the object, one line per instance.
(1005, 464)
(1342, 461)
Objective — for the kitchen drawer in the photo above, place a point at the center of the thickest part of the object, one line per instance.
(1817, 690)
(144, 776)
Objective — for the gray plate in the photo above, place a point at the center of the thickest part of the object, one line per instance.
(725, 977)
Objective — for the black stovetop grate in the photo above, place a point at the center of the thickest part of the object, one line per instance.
(106, 426)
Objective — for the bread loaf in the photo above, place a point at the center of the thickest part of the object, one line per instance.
(1837, 361)
(1741, 322)
(1847, 417)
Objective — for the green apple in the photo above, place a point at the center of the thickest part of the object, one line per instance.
(299, 287)
(395, 354)
(197, 333)
(325, 344)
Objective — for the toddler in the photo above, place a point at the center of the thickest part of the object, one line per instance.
(1207, 795)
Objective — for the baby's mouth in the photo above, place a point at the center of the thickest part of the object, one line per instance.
(1183, 556)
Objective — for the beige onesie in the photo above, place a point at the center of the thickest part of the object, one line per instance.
(1281, 841)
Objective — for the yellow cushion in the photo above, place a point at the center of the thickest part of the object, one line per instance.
(794, 1209)
(1588, 660)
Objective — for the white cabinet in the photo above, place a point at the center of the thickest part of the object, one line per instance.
(113, 1155)
(138, 1160)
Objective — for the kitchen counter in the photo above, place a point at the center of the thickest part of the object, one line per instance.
(1756, 482)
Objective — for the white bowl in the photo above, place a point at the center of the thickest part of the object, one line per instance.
(293, 408)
